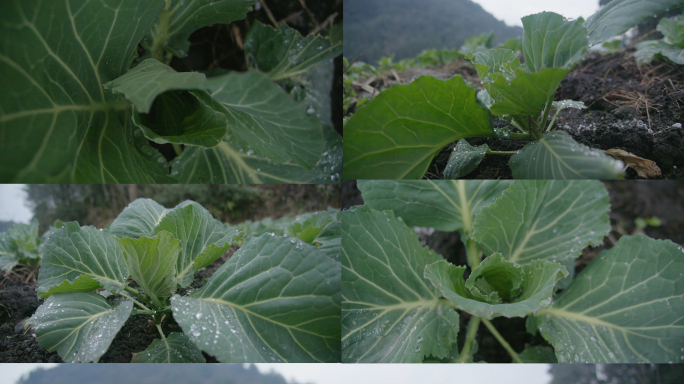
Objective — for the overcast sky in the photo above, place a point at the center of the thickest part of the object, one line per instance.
(13, 204)
(375, 373)
(511, 11)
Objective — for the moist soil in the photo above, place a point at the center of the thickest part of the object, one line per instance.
(634, 108)
(629, 200)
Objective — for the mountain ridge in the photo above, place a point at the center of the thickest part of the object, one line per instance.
(376, 28)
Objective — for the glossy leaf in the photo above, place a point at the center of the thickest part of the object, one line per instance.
(152, 263)
(526, 94)
(464, 159)
(648, 49)
(79, 326)
(81, 259)
(620, 15)
(57, 122)
(138, 219)
(626, 306)
(275, 300)
(537, 288)
(544, 220)
(396, 135)
(558, 156)
(284, 53)
(495, 279)
(551, 41)
(390, 313)
(495, 61)
(564, 104)
(175, 348)
(444, 205)
(157, 79)
(183, 118)
(229, 164)
(257, 111)
(538, 355)
(186, 16)
(202, 238)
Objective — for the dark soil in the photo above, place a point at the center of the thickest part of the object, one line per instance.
(636, 109)
(629, 200)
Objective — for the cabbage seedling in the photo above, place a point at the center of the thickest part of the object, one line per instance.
(275, 300)
(401, 301)
(396, 135)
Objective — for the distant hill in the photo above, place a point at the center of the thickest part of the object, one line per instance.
(376, 28)
(5, 225)
(152, 374)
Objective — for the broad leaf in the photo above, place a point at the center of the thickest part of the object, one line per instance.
(57, 123)
(495, 61)
(537, 288)
(139, 219)
(152, 263)
(398, 133)
(186, 16)
(626, 306)
(275, 300)
(8, 253)
(183, 117)
(526, 94)
(648, 49)
(620, 15)
(551, 41)
(79, 326)
(202, 238)
(175, 348)
(24, 238)
(81, 259)
(157, 78)
(673, 30)
(257, 111)
(229, 164)
(544, 220)
(443, 205)
(558, 156)
(284, 53)
(464, 159)
(390, 313)
(537, 355)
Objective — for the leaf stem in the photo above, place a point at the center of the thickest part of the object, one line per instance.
(177, 148)
(160, 331)
(517, 125)
(160, 36)
(553, 120)
(502, 341)
(545, 116)
(139, 304)
(490, 152)
(473, 253)
(473, 326)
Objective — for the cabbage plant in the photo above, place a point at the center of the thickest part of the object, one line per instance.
(397, 135)
(79, 104)
(402, 301)
(22, 245)
(276, 299)
(671, 46)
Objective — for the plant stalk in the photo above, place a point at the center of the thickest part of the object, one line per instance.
(545, 116)
(160, 330)
(160, 35)
(473, 326)
(473, 254)
(553, 120)
(139, 304)
(490, 152)
(502, 341)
